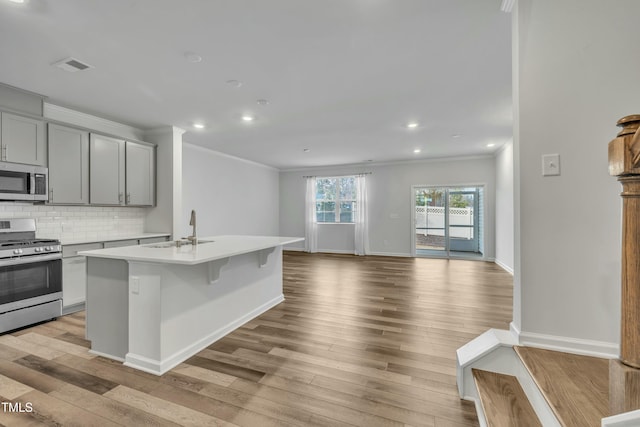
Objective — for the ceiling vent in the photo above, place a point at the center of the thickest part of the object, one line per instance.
(72, 65)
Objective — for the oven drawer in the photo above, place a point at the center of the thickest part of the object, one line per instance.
(30, 315)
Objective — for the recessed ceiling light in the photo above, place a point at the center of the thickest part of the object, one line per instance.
(491, 145)
(306, 150)
(234, 83)
(417, 150)
(198, 125)
(247, 118)
(262, 102)
(412, 125)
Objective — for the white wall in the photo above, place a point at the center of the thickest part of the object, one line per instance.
(575, 78)
(230, 195)
(389, 186)
(504, 207)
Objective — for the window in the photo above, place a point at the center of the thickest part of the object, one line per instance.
(336, 199)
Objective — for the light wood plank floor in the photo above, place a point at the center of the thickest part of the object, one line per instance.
(576, 387)
(367, 341)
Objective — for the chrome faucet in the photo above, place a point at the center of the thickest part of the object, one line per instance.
(192, 222)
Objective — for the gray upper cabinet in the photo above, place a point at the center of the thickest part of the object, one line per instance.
(107, 170)
(23, 140)
(140, 184)
(121, 173)
(68, 165)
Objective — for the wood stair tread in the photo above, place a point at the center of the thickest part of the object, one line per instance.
(576, 387)
(503, 400)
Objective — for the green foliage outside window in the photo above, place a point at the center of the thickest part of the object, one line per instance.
(335, 199)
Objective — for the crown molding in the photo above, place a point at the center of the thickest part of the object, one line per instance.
(67, 115)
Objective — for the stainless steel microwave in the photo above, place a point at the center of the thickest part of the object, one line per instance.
(23, 182)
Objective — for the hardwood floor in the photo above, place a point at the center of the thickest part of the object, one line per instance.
(504, 402)
(576, 387)
(367, 341)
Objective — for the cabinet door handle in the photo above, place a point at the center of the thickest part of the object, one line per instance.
(4, 152)
(120, 198)
(51, 195)
(128, 198)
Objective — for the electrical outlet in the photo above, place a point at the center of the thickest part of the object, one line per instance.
(135, 284)
(550, 164)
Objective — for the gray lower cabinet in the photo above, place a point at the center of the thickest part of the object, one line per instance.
(74, 276)
(107, 171)
(68, 165)
(74, 269)
(23, 140)
(121, 243)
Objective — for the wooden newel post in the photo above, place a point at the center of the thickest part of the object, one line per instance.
(624, 162)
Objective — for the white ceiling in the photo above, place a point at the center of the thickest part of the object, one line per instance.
(342, 77)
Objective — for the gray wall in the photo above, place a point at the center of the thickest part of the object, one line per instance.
(504, 207)
(574, 78)
(389, 191)
(230, 195)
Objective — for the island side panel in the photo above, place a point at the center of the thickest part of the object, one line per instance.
(194, 312)
(107, 307)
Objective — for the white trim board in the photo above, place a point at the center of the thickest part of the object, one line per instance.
(504, 266)
(228, 156)
(67, 115)
(628, 419)
(159, 367)
(601, 349)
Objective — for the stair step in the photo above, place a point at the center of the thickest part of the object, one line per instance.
(504, 402)
(576, 387)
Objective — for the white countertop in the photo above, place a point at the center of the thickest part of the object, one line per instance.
(221, 247)
(111, 238)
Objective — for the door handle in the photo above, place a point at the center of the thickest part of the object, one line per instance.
(120, 198)
(128, 198)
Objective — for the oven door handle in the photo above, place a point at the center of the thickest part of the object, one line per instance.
(8, 262)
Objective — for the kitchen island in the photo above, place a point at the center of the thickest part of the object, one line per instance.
(154, 306)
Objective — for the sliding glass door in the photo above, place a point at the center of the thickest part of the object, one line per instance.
(447, 221)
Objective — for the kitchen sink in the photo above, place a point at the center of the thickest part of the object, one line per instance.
(177, 244)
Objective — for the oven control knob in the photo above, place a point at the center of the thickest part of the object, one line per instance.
(48, 248)
(17, 251)
(38, 249)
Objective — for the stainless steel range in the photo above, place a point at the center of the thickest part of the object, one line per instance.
(30, 275)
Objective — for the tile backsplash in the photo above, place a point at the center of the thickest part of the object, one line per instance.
(78, 222)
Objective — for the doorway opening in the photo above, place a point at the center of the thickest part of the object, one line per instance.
(448, 221)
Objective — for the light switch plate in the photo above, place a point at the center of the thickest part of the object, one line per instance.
(135, 284)
(550, 164)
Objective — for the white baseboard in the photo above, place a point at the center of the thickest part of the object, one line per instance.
(602, 349)
(515, 331)
(336, 251)
(108, 356)
(159, 367)
(628, 419)
(398, 254)
(504, 266)
(286, 248)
